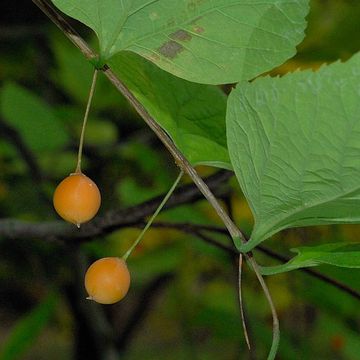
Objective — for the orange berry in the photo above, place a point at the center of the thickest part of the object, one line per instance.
(107, 280)
(77, 199)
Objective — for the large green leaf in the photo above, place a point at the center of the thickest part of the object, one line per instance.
(192, 114)
(294, 143)
(28, 329)
(32, 118)
(339, 254)
(203, 41)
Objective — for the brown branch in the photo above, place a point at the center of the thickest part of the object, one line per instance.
(198, 231)
(314, 273)
(112, 220)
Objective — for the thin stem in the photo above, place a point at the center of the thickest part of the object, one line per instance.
(241, 303)
(276, 328)
(228, 204)
(198, 230)
(88, 105)
(154, 215)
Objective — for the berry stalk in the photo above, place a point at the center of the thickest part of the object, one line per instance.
(88, 105)
(154, 215)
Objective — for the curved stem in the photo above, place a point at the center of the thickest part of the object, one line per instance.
(276, 328)
(154, 215)
(241, 303)
(81, 144)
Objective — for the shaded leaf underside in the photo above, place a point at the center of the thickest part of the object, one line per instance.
(192, 114)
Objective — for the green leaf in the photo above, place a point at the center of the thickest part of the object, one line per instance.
(338, 254)
(294, 143)
(32, 118)
(28, 329)
(192, 114)
(203, 41)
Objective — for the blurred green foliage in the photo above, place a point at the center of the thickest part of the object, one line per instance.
(194, 314)
(28, 328)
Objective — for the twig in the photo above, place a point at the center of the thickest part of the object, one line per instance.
(112, 220)
(229, 208)
(276, 326)
(198, 230)
(314, 273)
(241, 304)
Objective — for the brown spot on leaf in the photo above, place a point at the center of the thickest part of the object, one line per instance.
(198, 29)
(180, 35)
(170, 49)
(154, 57)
